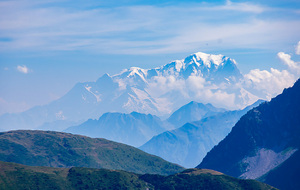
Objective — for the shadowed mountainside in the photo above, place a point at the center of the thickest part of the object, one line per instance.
(266, 138)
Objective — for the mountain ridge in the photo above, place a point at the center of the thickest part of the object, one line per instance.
(193, 111)
(188, 144)
(133, 129)
(57, 149)
(16, 176)
(267, 136)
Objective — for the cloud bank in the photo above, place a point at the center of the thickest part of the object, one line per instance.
(268, 83)
(257, 84)
(274, 81)
(142, 29)
(292, 65)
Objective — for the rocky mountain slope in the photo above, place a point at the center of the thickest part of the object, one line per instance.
(266, 138)
(286, 175)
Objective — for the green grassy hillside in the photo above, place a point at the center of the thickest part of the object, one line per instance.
(194, 179)
(16, 176)
(55, 149)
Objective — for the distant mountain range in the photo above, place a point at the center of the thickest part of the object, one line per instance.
(200, 77)
(188, 144)
(136, 129)
(133, 129)
(56, 149)
(192, 111)
(19, 177)
(264, 144)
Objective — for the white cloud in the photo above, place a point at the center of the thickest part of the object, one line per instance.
(160, 85)
(268, 83)
(194, 88)
(140, 29)
(286, 59)
(23, 69)
(263, 84)
(195, 83)
(243, 7)
(298, 48)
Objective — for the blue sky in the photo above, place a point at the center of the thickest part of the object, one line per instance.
(48, 46)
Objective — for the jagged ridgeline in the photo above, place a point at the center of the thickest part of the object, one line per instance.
(17, 177)
(55, 149)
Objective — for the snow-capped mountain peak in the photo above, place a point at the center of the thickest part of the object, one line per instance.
(217, 68)
(136, 71)
(132, 73)
(200, 77)
(208, 60)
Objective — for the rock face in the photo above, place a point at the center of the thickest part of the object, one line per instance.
(56, 149)
(188, 144)
(266, 138)
(286, 175)
(199, 77)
